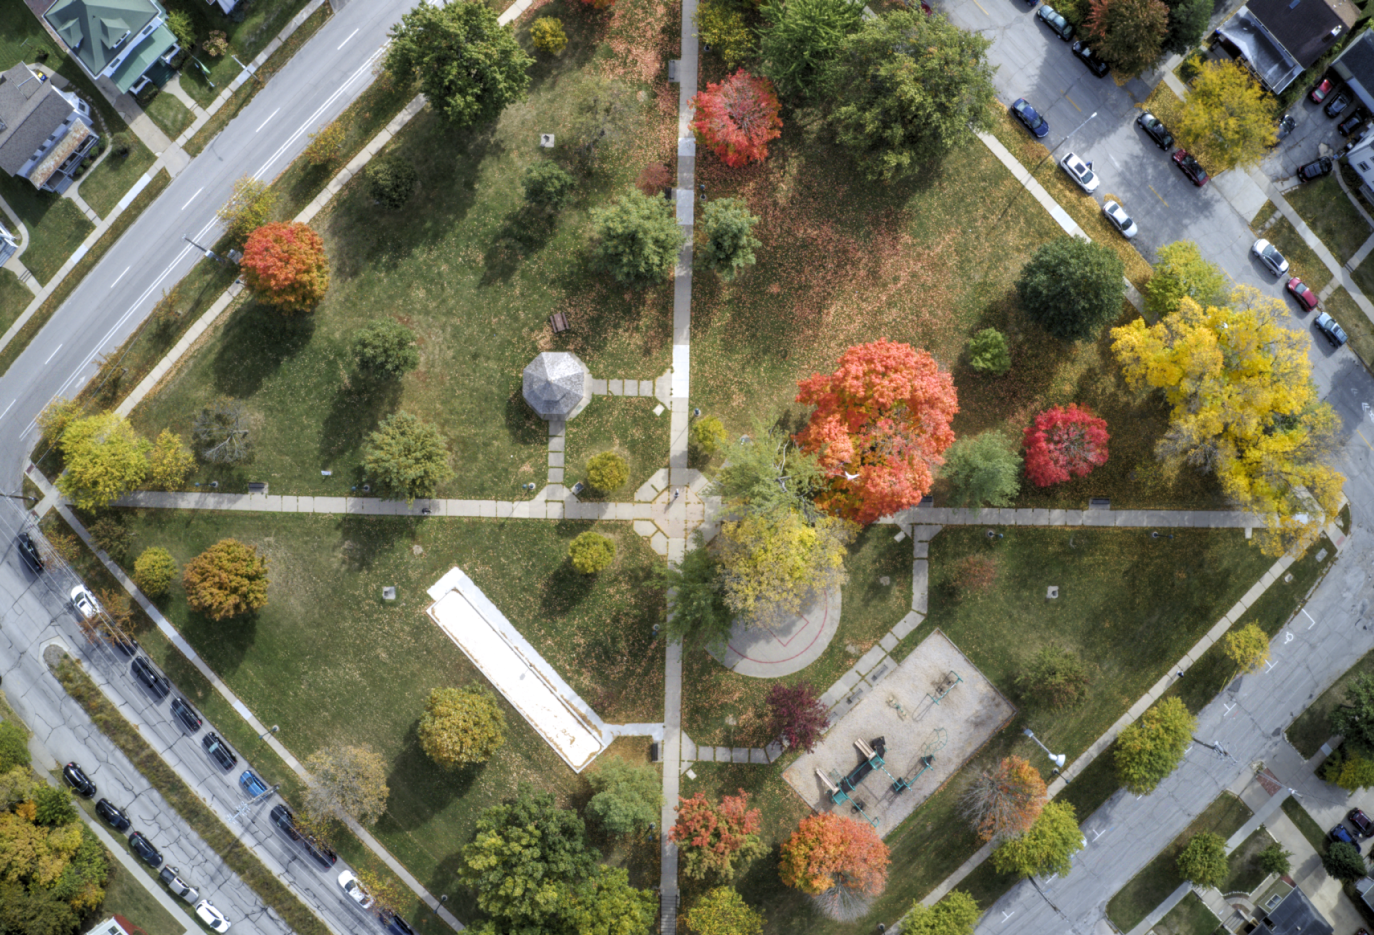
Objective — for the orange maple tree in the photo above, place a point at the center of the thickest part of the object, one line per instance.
(285, 265)
(737, 117)
(1064, 443)
(829, 851)
(881, 423)
(1004, 801)
(712, 836)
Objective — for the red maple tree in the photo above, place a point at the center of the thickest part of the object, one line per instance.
(795, 713)
(881, 423)
(711, 836)
(829, 851)
(737, 117)
(285, 265)
(1064, 443)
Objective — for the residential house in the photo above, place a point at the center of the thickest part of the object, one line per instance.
(1294, 914)
(1279, 39)
(8, 246)
(126, 41)
(45, 133)
(1355, 66)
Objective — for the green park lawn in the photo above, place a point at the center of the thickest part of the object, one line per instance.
(1312, 728)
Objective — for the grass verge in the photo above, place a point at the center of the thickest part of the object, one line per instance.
(1330, 215)
(1356, 324)
(1303, 261)
(14, 298)
(129, 897)
(260, 25)
(170, 114)
(1189, 917)
(1305, 823)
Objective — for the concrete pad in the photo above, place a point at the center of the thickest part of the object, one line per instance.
(907, 624)
(462, 508)
(739, 755)
(486, 508)
(598, 387)
(920, 549)
(555, 475)
(758, 755)
(659, 543)
(1241, 191)
(645, 528)
(888, 642)
(920, 586)
(722, 754)
(848, 680)
(505, 509)
(870, 660)
(786, 647)
(615, 387)
(555, 459)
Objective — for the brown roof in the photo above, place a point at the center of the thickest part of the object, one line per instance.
(68, 145)
(1304, 26)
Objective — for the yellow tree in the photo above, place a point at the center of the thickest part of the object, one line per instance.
(773, 563)
(1227, 120)
(1248, 648)
(105, 459)
(170, 461)
(1243, 406)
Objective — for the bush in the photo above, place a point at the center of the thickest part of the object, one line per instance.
(628, 798)
(636, 239)
(384, 348)
(707, 434)
(1055, 678)
(55, 806)
(1274, 859)
(654, 178)
(461, 726)
(987, 352)
(14, 746)
(111, 535)
(326, 144)
(154, 571)
(1343, 861)
(226, 580)
(721, 25)
(607, 471)
(391, 181)
(591, 553)
(548, 186)
(547, 35)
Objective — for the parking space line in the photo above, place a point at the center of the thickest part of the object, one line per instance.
(980, 6)
(1075, 106)
(1157, 194)
(1362, 438)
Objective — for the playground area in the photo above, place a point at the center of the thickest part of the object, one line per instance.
(910, 732)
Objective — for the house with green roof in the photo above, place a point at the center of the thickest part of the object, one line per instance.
(122, 40)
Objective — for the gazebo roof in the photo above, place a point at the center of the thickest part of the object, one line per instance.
(557, 385)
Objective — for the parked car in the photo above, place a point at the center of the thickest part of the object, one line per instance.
(172, 877)
(1286, 125)
(1053, 19)
(1305, 296)
(1080, 171)
(1031, 120)
(1342, 835)
(29, 553)
(78, 781)
(350, 885)
(122, 642)
(114, 817)
(1337, 105)
(283, 819)
(183, 712)
(395, 924)
(221, 754)
(1088, 57)
(141, 846)
(1360, 822)
(1352, 123)
(1320, 92)
(1118, 218)
(1330, 330)
(1316, 169)
(320, 852)
(1190, 168)
(85, 603)
(1269, 255)
(252, 784)
(1155, 127)
(211, 916)
(156, 684)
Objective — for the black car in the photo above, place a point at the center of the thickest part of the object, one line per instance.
(1088, 57)
(1361, 823)
(29, 553)
(283, 819)
(1315, 169)
(1337, 105)
(145, 850)
(112, 816)
(319, 851)
(1155, 127)
(145, 673)
(78, 781)
(221, 754)
(186, 714)
(1350, 124)
(1330, 330)
(395, 924)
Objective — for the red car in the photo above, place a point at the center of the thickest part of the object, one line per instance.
(1190, 168)
(1305, 296)
(1320, 92)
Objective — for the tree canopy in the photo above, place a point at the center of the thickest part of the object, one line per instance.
(1203, 860)
(1227, 120)
(637, 239)
(1055, 678)
(767, 473)
(285, 265)
(773, 564)
(248, 208)
(170, 462)
(606, 904)
(628, 798)
(1063, 443)
(105, 459)
(346, 781)
(1152, 747)
(407, 457)
(1179, 271)
(699, 615)
(983, 470)
(729, 240)
(796, 714)
(1248, 648)
(737, 117)
(1353, 718)
(829, 851)
(1127, 33)
(1072, 287)
(226, 580)
(1188, 21)
(1344, 862)
(716, 838)
(591, 552)
(801, 38)
(461, 726)
(722, 911)
(1048, 847)
(53, 869)
(384, 348)
(154, 571)
(1004, 800)
(468, 65)
(955, 914)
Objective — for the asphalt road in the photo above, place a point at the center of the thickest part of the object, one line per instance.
(314, 87)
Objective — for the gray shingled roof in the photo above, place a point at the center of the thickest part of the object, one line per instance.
(1304, 26)
(557, 385)
(30, 110)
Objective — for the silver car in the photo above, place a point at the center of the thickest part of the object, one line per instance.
(1269, 255)
(1118, 218)
(172, 877)
(1080, 172)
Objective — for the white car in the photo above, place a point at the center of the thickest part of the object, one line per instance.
(1119, 219)
(1269, 255)
(1080, 172)
(212, 916)
(85, 603)
(349, 881)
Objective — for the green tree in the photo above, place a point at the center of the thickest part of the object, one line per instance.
(1188, 21)
(606, 904)
(1072, 287)
(385, 349)
(154, 571)
(628, 798)
(1228, 120)
(547, 35)
(729, 239)
(721, 25)
(346, 782)
(773, 564)
(526, 859)
(591, 552)
(1203, 860)
(1127, 33)
(801, 38)
(56, 416)
(706, 435)
(1353, 718)
(607, 471)
(909, 88)
(391, 180)
(408, 458)
(105, 459)
(636, 239)
(1344, 862)
(14, 746)
(467, 64)
(988, 353)
(1047, 848)
(179, 23)
(955, 914)
(982, 471)
(1055, 678)
(1152, 747)
(461, 726)
(248, 208)
(766, 473)
(548, 186)
(326, 144)
(604, 117)
(1274, 859)
(723, 911)
(226, 580)
(1180, 271)
(1351, 770)
(54, 806)
(698, 614)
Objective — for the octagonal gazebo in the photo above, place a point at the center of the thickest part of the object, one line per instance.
(557, 385)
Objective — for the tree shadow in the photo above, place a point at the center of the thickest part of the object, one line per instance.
(223, 643)
(526, 231)
(434, 786)
(257, 340)
(359, 406)
(523, 425)
(563, 590)
(365, 539)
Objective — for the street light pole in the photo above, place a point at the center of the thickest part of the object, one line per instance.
(1056, 758)
(210, 254)
(1037, 166)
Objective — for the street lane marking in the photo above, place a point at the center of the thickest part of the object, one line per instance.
(1309, 617)
(192, 198)
(1157, 194)
(345, 42)
(1229, 708)
(268, 120)
(1075, 106)
(52, 355)
(980, 6)
(120, 276)
(8, 408)
(1362, 438)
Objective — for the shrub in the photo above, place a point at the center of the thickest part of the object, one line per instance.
(729, 231)
(654, 178)
(217, 44)
(326, 144)
(248, 208)
(14, 746)
(1274, 859)
(407, 457)
(154, 571)
(548, 186)
(1055, 678)
(111, 535)
(637, 240)
(707, 434)
(721, 25)
(1064, 443)
(987, 352)
(461, 726)
(591, 553)
(179, 23)
(391, 180)
(628, 798)
(547, 34)
(384, 348)
(226, 580)
(607, 471)
(1072, 287)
